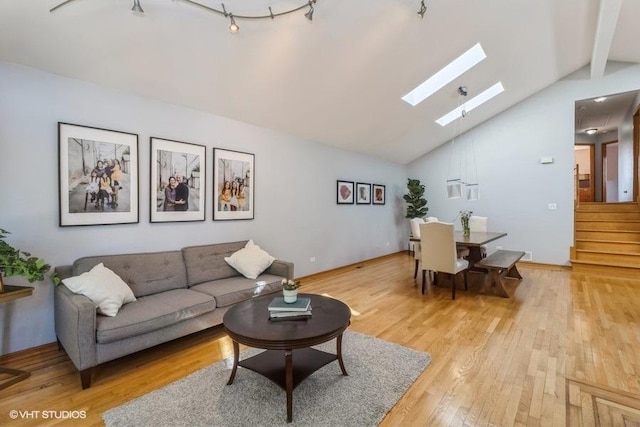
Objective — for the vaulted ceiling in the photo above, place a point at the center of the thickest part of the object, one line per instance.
(336, 80)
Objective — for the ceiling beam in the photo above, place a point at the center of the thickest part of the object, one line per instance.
(607, 21)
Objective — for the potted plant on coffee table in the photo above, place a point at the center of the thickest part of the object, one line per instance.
(14, 262)
(290, 290)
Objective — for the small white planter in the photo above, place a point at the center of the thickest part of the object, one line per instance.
(290, 296)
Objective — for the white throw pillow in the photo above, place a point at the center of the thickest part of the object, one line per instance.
(102, 286)
(250, 261)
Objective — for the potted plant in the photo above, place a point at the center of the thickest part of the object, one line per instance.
(417, 204)
(14, 262)
(290, 290)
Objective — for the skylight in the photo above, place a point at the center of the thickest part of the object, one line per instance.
(454, 69)
(471, 104)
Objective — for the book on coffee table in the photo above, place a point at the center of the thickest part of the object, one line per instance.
(301, 304)
(289, 315)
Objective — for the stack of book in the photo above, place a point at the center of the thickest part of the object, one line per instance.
(280, 310)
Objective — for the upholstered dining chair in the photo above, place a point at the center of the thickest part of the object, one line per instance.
(438, 253)
(415, 232)
(479, 224)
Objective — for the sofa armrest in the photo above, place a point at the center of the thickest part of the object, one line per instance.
(75, 325)
(281, 268)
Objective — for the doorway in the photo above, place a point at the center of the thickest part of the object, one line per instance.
(612, 124)
(610, 172)
(585, 160)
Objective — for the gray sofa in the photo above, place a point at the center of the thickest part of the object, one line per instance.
(178, 293)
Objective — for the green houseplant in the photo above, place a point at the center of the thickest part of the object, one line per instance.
(14, 262)
(417, 204)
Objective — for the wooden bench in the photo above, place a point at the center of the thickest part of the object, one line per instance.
(500, 264)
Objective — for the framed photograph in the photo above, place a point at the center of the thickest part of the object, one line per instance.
(98, 176)
(379, 194)
(363, 193)
(178, 181)
(345, 192)
(233, 185)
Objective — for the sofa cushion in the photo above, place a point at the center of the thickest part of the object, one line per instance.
(250, 261)
(103, 287)
(145, 273)
(206, 263)
(237, 289)
(153, 312)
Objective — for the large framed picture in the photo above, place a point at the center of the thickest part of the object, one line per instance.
(98, 176)
(233, 185)
(379, 194)
(363, 193)
(344, 192)
(178, 181)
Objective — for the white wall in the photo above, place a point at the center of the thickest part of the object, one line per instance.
(625, 155)
(515, 188)
(296, 216)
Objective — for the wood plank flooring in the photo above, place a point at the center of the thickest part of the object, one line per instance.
(496, 361)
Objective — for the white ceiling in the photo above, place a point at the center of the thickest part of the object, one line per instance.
(337, 80)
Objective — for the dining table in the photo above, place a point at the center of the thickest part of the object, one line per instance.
(474, 242)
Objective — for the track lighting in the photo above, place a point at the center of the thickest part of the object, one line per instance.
(136, 7)
(234, 27)
(423, 9)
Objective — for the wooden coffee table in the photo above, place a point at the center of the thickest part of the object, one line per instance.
(288, 358)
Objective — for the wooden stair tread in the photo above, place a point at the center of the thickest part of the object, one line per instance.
(607, 264)
(608, 230)
(626, 242)
(632, 221)
(602, 251)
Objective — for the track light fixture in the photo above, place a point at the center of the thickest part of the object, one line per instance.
(233, 27)
(309, 14)
(423, 9)
(136, 6)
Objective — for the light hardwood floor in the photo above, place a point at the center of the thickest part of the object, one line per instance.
(496, 361)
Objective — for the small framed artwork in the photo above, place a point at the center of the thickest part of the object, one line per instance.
(178, 181)
(378, 194)
(97, 175)
(363, 193)
(345, 192)
(233, 185)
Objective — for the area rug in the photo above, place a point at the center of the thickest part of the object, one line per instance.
(379, 374)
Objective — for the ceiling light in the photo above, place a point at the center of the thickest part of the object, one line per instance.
(136, 6)
(590, 131)
(423, 9)
(309, 14)
(233, 27)
(454, 69)
(601, 99)
(471, 104)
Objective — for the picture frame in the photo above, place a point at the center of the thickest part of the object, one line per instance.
(97, 176)
(178, 184)
(344, 192)
(233, 185)
(378, 194)
(363, 193)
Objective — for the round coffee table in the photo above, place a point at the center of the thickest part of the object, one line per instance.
(288, 358)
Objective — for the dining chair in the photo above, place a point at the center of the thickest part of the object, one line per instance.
(439, 254)
(415, 232)
(479, 224)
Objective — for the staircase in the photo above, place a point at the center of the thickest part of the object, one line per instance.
(607, 238)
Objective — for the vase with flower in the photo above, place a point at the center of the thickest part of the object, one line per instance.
(464, 220)
(290, 290)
